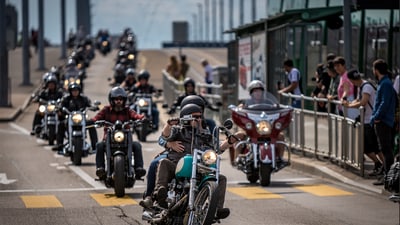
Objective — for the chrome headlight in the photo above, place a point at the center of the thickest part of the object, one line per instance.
(249, 126)
(209, 157)
(142, 103)
(42, 108)
(119, 136)
(51, 108)
(78, 81)
(278, 125)
(77, 118)
(131, 56)
(104, 43)
(264, 127)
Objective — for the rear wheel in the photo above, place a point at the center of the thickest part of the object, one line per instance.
(205, 204)
(265, 174)
(119, 176)
(77, 146)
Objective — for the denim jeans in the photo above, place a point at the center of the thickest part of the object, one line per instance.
(151, 174)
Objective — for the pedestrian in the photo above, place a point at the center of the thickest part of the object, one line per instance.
(383, 114)
(366, 98)
(183, 67)
(207, 74)
(333, 87)
(173, 67)
(346, 90)
(322, 81)
(294, 82)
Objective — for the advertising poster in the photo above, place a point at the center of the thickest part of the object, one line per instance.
(244, 60)
(258, 55)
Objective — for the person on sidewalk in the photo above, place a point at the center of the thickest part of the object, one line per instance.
(117, 110)
(366, 98)
(383, 113)
(50, 92)
(208, 78)
(294, 80)
(183, 67)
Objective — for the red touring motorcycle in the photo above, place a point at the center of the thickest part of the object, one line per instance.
(262, 124)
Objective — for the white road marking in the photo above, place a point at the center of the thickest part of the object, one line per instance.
(90, 180)
(19, 128)
(5, 180)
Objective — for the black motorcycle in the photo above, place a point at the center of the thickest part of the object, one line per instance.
(49, 125)
(120, 172)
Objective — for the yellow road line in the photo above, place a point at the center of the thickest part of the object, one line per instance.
(323, 190)
(253, 193)
(41, 201)
(112, 200)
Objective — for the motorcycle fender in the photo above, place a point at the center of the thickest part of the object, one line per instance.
(76, 133)
(266, 153)
(119, 153)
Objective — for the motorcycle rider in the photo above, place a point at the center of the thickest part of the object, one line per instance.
(74, 101)
(143, 86)
(166, 168)
(189, 85)
(117, 110)
(50, 92)
(130, 80)
(70, 71)
(257, 96)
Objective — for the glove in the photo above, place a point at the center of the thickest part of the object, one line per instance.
(173, 121)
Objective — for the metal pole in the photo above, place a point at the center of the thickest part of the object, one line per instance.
(221, 19)
(253, 10)
(347, 32)
(207, 19)
(200, 18)
(230, 18)
(3, 57)
(214, 20)
(25, 44)
(63, 44)
(241, 12)
(40, 36)
(194, 27)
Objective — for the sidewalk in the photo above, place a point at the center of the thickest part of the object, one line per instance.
(20, 96)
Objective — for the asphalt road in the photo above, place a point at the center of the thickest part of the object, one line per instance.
(37, 186)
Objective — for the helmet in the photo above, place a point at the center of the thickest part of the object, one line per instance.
(193, 99)
(144, 75)
(256, 84)
(189, 109)
(119, 67)
(117, 92)
(73, 86)
(70, 63)
(130, 71)
(50, 78)
(187, 81)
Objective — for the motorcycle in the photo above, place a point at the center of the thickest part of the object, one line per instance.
(120, 172)
(48, 128)
(194, 192)
(104, 46)
(143, 103)
(262, 124)
(77, 146)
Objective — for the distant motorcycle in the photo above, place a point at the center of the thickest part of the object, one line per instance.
(262, 124)
(104, 47)
(48, 127)
(119, 168)
(77, 146)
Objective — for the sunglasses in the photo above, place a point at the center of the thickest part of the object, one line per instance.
(197, 116)
(118, 99)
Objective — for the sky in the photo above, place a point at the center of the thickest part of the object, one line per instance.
(151, 20)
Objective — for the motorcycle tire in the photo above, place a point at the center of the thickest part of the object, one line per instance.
(253, 176)
(205, 204)
(52, 134)
(119, 176)
(77, 146)
(265, 174)
(142, 134)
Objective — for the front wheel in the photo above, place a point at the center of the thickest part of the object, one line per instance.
(52, 134)
(119, 176)
(205, 204)
(77, 151)
(265, 174)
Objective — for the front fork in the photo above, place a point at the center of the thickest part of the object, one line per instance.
(108, 154)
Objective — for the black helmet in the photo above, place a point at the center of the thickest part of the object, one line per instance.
(187, 81)
(130, 71)
(144, 75)
(71, 63)
(256, 84)
(189, 109)
(50, 78)
(119, 67)
(193, 99)
(115, 93)
(73, 86)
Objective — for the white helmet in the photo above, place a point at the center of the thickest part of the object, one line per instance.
(256, 84)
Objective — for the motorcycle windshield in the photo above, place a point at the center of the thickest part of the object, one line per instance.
(261, 102)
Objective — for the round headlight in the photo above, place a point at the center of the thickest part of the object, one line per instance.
(209, 157)
(104, 43)
(42, 108)
(131, 56)
(119, 136)
(51, 108)
(249, 126)
(264, 127)
(278, 125)
(78, 81)
(77, 118)
(142, 103)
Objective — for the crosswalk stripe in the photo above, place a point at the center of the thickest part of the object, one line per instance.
(322, 190)
(41, 201)
(253, 193)
(112, 200)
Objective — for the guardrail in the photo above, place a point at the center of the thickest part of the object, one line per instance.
(327, 135)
